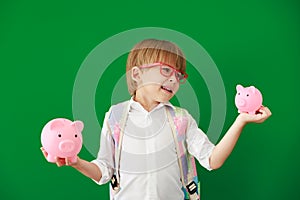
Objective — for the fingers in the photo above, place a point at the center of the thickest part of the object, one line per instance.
(68, 162)
(265, 112)
(44, 152)
(262, 114)
(72, 161)
(60, 161)
(64, 162)
(268, 111)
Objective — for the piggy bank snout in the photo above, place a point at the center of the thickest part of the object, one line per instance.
(66, 146)
(240, 102)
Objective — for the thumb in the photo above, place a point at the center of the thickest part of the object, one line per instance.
(71, 161)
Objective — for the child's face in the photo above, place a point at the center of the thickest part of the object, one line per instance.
(158, 83)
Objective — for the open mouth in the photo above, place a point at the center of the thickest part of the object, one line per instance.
(166, 89)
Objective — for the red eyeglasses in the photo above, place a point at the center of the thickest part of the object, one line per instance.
(167, 71)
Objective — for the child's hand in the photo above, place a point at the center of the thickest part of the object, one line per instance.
(263, 114)
(65, 161)
(60, 161)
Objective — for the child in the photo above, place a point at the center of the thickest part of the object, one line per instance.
(140, 138)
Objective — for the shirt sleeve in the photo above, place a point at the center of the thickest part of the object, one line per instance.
(198, 143)
(105, 157)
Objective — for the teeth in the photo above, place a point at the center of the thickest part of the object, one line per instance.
(165, 88)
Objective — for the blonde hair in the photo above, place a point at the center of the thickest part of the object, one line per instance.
(150, 51)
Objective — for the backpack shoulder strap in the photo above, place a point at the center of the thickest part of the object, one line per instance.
(116, 122)
(179, 122)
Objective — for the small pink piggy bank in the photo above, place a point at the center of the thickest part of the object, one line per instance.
(62, 138)
(248, 99)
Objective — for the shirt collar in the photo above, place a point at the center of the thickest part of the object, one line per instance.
(137, 105)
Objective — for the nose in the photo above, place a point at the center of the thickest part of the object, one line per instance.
(173, 78)
(66, 146)
(240, 102)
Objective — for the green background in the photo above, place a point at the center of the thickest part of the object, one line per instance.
(42, 45)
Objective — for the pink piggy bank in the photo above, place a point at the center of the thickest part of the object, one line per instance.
(62, 138)
(248, 99)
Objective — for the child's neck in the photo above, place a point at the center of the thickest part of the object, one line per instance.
(148, 104)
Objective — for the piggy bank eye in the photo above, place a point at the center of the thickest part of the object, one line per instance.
(247, 95)
(76, 135)
(59, 135)
(239, 93)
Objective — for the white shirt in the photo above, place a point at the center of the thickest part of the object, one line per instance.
(148, 164)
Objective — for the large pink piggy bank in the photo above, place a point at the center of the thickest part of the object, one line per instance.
(248, 99)
(62, 138)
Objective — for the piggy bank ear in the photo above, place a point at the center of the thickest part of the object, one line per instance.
(252, 89)
(56, 124)
(239, 88)
(78, 125)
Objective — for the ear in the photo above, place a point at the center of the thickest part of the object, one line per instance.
(239, 88)
(252, 89)
(78, 125)
(56, 124)
(136, 74)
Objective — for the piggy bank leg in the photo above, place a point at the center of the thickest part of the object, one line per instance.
(51, 158)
